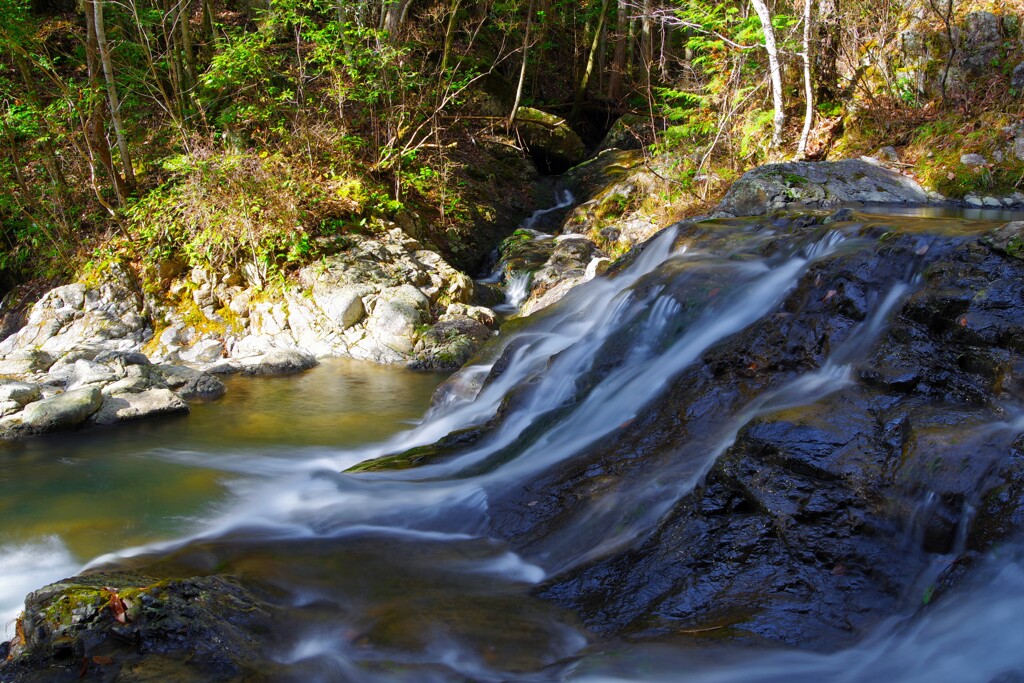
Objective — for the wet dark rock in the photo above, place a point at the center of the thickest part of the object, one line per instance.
(746, 503)
(817, 521)
(198, 629)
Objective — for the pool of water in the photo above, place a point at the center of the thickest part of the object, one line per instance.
(67, 498)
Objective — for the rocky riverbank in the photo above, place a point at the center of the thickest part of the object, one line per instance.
(107, 349)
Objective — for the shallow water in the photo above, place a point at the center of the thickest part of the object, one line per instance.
(65, 499)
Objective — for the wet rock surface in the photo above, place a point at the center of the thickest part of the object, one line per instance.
(818, 519)
(834, 461)
(129, 626)
(824, 512)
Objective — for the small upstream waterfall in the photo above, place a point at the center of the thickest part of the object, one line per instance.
(517, 285)
(404, 572)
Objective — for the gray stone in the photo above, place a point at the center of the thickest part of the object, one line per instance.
(63, 411)
(123, 358)
(224, 367)
(203, 351)
(974, 201)
(25, 361)
(1018, 148)
(19, 392)
(888, 153)
(107, 316)
(87, 372)
(132, 406)
(190, 383)
(973, 160)
(9, 408)
(982, 39)
(1007, 239)
(128, 385)
(982, 28)
(279, 362)
(171, 336)
(396, 316)
(818, 185)
(992, 202)
(1017, 79)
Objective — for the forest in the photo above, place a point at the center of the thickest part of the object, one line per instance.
(240, 132)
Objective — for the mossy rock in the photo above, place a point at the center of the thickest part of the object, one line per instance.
(1008, 239)
(554, 146)
(124, 625)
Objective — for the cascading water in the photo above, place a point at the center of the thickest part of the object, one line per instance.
(436, 572)
(517, 285)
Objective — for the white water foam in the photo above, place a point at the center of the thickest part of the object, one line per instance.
(26, 567)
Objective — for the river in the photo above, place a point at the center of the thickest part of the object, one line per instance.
(442, 572)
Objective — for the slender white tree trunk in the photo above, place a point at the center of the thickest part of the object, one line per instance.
(774, 69)
(808, 81)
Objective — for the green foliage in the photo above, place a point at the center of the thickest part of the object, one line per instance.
(230, 209)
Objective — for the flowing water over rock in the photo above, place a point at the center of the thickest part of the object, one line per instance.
(787, 448)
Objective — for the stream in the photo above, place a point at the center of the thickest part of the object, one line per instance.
(477, 565)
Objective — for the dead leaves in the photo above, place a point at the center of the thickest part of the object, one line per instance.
(118, 606)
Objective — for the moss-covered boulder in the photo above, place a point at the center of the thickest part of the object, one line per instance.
(554, 146)
(127, 626)
(449, 344)
(1008, 239)
(818, 185)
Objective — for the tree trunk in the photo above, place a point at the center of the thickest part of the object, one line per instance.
(808, 81)
(449, 36)
(522, 69)
(115, 105)
(97, 144)
(207, 31)
(581, 89)
(828, 36)
(774, 69)
(647, 46)
(185, 17)
(615, 80)
(395, 15)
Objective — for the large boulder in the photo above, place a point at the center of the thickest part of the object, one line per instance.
(109, 315)
(278, 362)
(125, 406)
(63, 411)
(982, 40)
(823, 184)
(449, 344)
(553, 144)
